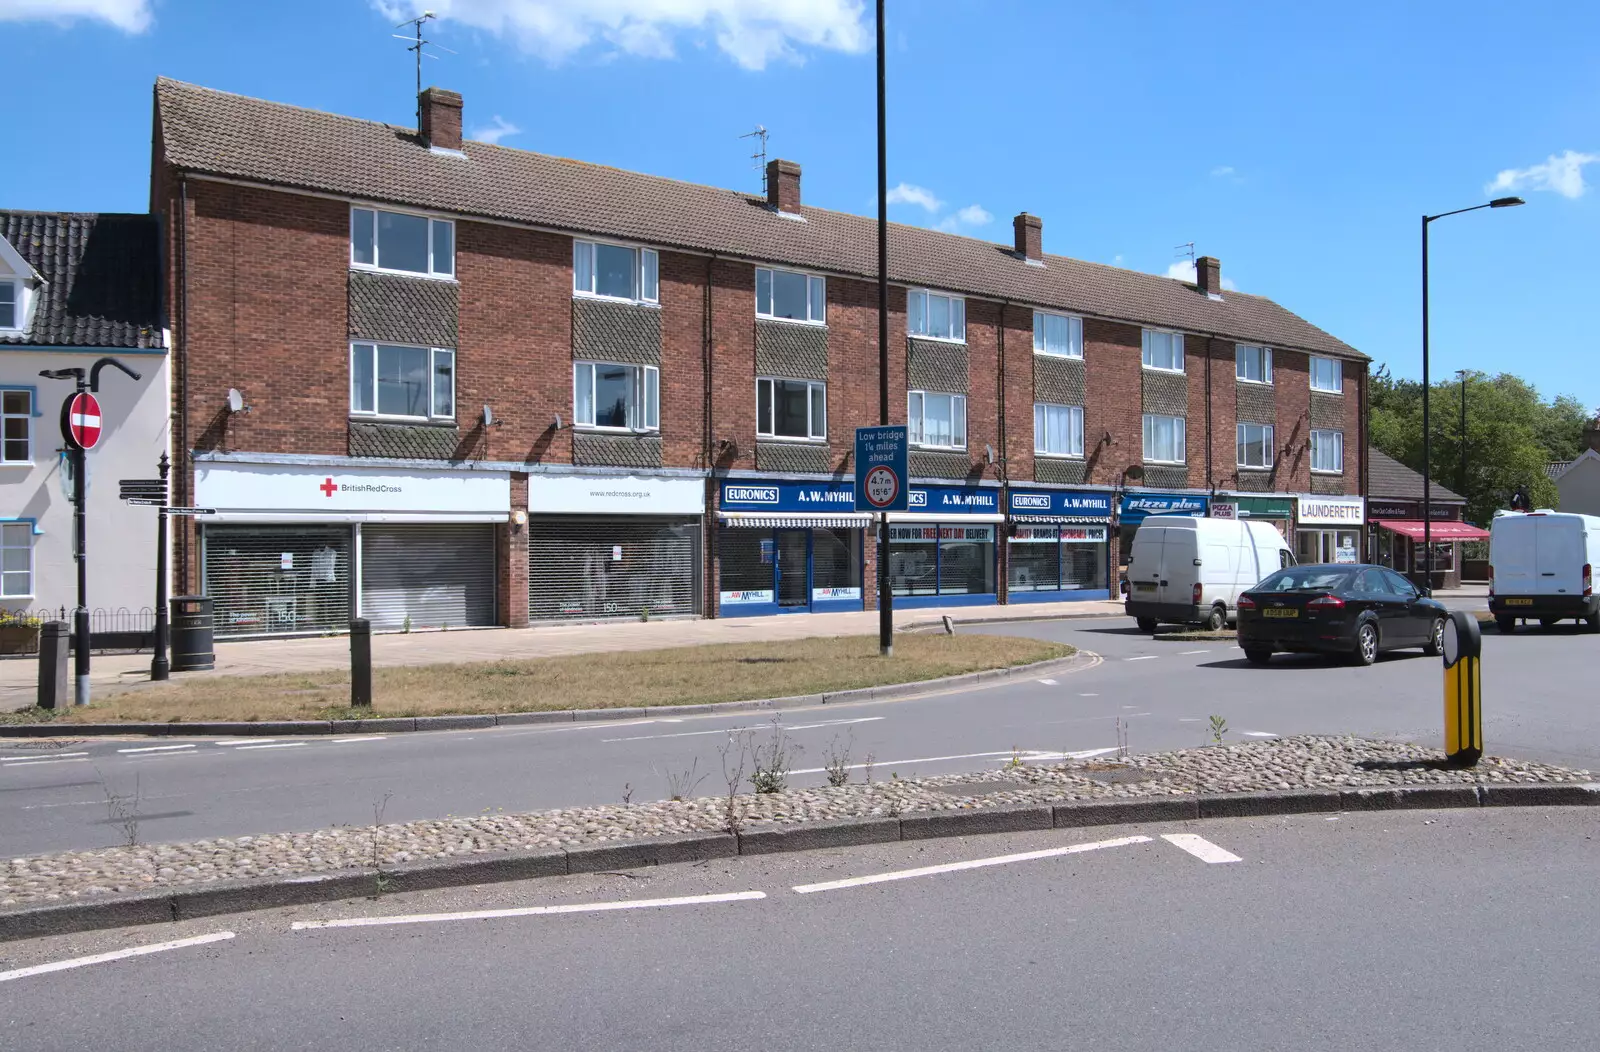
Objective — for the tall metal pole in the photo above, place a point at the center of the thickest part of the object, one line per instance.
(885, 592)
(80, 616)
(159, 665)
(1427, 433)
(1461, 469)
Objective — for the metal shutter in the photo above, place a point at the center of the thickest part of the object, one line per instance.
(275, 580)
(621, 567)
(438, 576)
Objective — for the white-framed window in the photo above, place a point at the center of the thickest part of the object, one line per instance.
(16, 560)
(395, 380)
(610, 396)
(1163, 350)
(791, 295)
(16, 426)
(1164, 439)
(615, 272)
(936, 420)
(936, 316)
(10, 305)
(402, 242)
(1327, 452)
(1057, 334)
(791, 409)
(1252, 364)
(1255, 445)
(1327, 375)
(1057, 430)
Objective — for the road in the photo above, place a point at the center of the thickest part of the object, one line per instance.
(1466, 930)
(1536, 702)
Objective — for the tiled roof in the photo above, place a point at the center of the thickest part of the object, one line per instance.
(213, 132)
(1388, 479)
(102, 276)
(1555, 469)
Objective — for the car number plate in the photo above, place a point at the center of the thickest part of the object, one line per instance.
(1141, 586)
(1270, 612)
(1519, 602)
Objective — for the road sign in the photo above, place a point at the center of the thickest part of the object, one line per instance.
(154, 502)
(80, 420)
(160, 484)
(191, 511)
(880, 466)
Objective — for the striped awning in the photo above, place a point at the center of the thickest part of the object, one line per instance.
(796, 521)
(1061, 520)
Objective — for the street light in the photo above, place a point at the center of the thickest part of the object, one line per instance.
(1427, 436)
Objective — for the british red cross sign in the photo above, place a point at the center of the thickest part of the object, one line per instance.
(82, 420)
(328, 487)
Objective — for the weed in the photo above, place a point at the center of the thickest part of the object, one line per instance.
(627, 793)
(735, 755)
(1016, 758)
(682, 786)
(1219, 727)
(836, 761)
(123, 811)
(381, 882)
(405, 626)
(1122, 739)
(773, 760)
(867, 765)
(644, 613)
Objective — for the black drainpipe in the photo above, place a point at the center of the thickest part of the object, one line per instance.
(1211, 482)
(181, 458)
(709, 544)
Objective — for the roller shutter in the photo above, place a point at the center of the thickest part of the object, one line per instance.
(612, 567)
(277, 580)
(439, 576)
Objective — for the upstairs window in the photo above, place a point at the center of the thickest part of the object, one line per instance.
(1252, 364)
(616, 397)
(16, 419)
(402, 242)
(938, 421)
(1327, 452)
(1164, 439)
(791, 296)
(10, 308)
(939, 317)
(1163, 350)
(1057, 430)
(16, 560)
(791, 409)
(416, 383)
(615, 272)
(1057, 334)
(1327, 375)
(1255, 445)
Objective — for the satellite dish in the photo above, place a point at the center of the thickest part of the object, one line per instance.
(1135, 472)
(488, 417)
(235, 400)
(558, 421)
(988, 453)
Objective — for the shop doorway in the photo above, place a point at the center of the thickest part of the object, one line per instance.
(794, 569)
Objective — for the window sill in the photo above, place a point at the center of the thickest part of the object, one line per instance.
(428, 421)
(366, 269)
(1041, 455)
(1328, 473)
(1253, 383)
(1328, 390)
(1166, 463)
(1256, 468)
(1058, 354)
(595, 296)
(17, 464)
(937, 449)
(590, 429)
(1179, 371)
(793, 321)
(937, 339)
(791, 440)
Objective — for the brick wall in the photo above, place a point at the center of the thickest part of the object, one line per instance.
(1291, 380)
(1112, 364)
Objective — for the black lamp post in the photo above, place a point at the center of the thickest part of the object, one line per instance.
(1427, 434)
(1461, 468)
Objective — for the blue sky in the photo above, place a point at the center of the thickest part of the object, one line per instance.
(1300, 143)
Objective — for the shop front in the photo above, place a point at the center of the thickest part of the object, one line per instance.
(1057, 545)
(1329, 529)
(1399, 540)
(788, 547)
(1136, 507)
(1277, 511)
(942, 551)
(294, 550)
(614, 546)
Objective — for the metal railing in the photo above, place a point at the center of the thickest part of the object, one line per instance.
(110, 628)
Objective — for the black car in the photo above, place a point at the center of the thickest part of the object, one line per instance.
(1355, 610)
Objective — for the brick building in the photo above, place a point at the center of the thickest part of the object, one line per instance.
(488, 386)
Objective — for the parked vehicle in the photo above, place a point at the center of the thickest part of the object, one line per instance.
(1541, 567)
(1335, 608)
(1190, 571)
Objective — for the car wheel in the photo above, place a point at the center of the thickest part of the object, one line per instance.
(1366, 651)
(1435, 644)
(1217, 620)
(1257, 656)
(1146, 624)
(1505, 623)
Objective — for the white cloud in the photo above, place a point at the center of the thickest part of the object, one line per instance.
(1183, 270)
(970, 216)
(907, 194)
(753, 33)
(493, 133)
(1222, 171)
(1563, 174)
(130, 16)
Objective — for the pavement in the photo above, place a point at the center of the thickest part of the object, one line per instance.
(1469, 930)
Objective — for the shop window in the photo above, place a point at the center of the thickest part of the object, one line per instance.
(945, 559)
(835, 565)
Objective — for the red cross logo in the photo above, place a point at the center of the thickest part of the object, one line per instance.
(328, 488)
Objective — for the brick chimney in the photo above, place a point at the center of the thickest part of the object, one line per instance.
(439, 118)
(1591, 435)
(783, 186)
(1208, 275)
(1029, 234)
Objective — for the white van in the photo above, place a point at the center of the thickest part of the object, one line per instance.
(1541, 567)
(1190, 571)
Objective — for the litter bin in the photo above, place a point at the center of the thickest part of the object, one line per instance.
(192, 633)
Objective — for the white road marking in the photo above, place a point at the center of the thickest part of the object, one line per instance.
(1048, 682)
(28, 757)
(1186, 653)
(269, 745)
(158, 748)
(922, 759)
(1143, 657)
(734, 730)
(1088, 695)
(977, 863)
(365, 738)
(1259, 734)
(1200, 847)
(529, 911)
(243, 741)
(35, 763)
(1037, 756)
(115, 955)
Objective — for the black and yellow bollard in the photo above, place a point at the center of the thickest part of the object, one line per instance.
(1463, 690)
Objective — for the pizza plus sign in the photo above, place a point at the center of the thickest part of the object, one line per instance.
(328, 488)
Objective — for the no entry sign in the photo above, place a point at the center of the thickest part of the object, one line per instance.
(80, 420)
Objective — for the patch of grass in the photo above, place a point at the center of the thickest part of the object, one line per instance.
(31, 714)
(1189, 635)
(677, 676)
